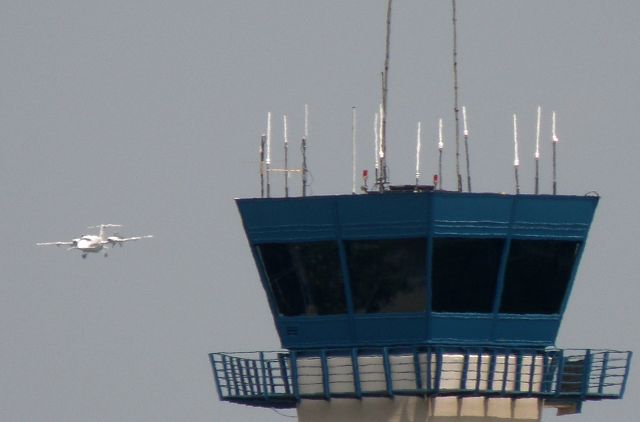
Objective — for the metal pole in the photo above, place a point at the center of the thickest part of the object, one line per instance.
(353, 150)
(304, 166)
(537, 155)
(263, 140)
(466, 146)
(455, 95)
(286, 158)
(516, 161)
(268, 162)
(385, 79)
(418, 156)
(554, 138)
(440, 148)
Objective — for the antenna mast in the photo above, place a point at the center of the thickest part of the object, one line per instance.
(466, 145)
(440, 148)
(516, 161)
(418, 156)
(353, 150)
(286, 158)
(383, 115)
(455, 95)
(268, 162)
(537, 155)
(303, 147)
(263, 140)
(555, 142)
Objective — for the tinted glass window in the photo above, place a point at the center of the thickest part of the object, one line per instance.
(305, 278)
(465, 274)
(387, 275)
(537, 276)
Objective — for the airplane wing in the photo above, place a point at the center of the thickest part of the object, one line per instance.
(120, 240)
(55, 243)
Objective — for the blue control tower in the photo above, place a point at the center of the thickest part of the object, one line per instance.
(419, 305)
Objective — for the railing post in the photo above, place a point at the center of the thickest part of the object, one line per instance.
(518, 374)
(586, 374)
(505, 373)
(438, 374)
(560, 376)
(465, 369)
(603, 372)
(357, 387)
(532, 371)
(283, 373)
(416, 368)
(479, 371)
(293, 358)
(387, 371)
(492, 370)
(429, 358)
(242, 381)
(626, 374)
(215, 375)
(325, 375)
(263, 370)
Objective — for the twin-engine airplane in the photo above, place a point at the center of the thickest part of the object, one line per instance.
(93, 243)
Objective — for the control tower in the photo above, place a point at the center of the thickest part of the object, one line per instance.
(419, 305)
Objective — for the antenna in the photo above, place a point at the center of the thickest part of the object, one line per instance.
(440, 148)
(537, 154)
(455, 95)
(466, 146)
(516, 161)
(286, 158)
(418, 156)
(263, 140)
(383, 112)
(303, 148)
(376, 127)
(268, 162)
(554, 138)
(353, 149)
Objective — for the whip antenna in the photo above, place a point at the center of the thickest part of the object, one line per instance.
(466, 145)
(516, 161)
(440, 148)
(537, 155)
(353, 149)
(303, 149)
(268, 162)
(383, 112)
(376, 158)
(456, 111)
(555, 142)
(418, 156)
(286, 158)
(263, 140)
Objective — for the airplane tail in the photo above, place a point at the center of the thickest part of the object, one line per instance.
(102, 232)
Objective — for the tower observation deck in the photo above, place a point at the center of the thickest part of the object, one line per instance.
(407, 306)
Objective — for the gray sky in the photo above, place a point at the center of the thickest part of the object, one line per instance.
(148, 113)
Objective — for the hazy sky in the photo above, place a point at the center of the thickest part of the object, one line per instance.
(148, 114)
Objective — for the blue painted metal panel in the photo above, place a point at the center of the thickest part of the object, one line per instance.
(381, 329)
(456, 214)
(383, 216)
(314, 331)
(526, 329)
(460, 328)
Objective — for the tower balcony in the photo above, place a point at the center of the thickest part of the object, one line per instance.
(561, 378)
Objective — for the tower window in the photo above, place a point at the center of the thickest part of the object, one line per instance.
(387, 275)
(305, 278)
(465, 274)
(538, 274)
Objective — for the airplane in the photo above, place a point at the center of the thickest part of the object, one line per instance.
(93, 243)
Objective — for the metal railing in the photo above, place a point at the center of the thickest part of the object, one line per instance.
(281, 379)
